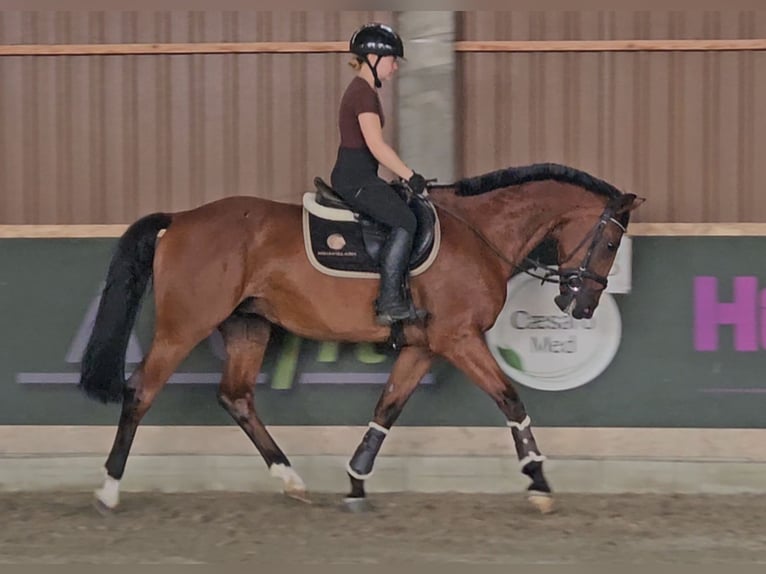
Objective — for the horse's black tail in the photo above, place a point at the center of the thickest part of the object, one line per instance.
(103, 363)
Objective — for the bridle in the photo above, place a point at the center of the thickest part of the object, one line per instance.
(572, 278)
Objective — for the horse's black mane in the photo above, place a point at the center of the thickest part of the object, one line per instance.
(535, 172)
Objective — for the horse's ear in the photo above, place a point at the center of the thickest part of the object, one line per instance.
(628, 202)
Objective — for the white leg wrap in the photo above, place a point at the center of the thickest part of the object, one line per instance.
(532, 456)
(522, 425)
(291, 479)
(355, 474)
(109, 494)
(377, 427)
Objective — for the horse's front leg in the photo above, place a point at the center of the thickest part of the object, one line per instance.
(410, 367)
(470, 354)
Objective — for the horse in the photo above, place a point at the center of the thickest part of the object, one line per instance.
(239, 265)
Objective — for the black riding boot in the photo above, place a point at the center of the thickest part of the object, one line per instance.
(394, 258)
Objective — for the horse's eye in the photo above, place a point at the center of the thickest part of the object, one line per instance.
(611, 246)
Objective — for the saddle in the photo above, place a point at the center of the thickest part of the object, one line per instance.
(342, 242)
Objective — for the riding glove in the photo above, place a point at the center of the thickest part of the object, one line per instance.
(417, 183)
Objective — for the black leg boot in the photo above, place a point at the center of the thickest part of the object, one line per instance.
(391, 305)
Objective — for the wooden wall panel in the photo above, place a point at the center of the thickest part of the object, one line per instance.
(682, 128)
(108, 138)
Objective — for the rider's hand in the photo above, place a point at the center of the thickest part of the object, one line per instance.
(417, 183)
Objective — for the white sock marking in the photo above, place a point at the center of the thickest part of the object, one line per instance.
(291, 479)
(109, 494)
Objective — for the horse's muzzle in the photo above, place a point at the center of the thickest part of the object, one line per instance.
(568, 303)
(564, 301)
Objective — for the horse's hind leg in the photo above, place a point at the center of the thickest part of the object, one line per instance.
(140, 391)
(246, 338)
(410, 367)
(471, 355)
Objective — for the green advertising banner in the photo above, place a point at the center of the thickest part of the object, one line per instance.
(685, 348)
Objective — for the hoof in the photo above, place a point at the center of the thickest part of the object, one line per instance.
(102, 508)
(299, 495)
(542, 501)
(357, 505)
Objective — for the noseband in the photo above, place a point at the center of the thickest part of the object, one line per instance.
(573, 278)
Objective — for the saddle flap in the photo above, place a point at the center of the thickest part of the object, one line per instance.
(424, 234)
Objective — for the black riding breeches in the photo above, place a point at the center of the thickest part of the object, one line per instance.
(378, 200)
(355, 180)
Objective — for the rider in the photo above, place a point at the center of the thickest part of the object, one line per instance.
(376, 48)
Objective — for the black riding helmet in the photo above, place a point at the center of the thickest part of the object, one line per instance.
(378, 39)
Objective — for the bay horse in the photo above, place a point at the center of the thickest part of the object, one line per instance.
(238, 265)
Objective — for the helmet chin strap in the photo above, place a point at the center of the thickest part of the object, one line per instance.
(374, 69)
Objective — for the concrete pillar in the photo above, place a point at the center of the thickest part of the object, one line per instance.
(426, 94)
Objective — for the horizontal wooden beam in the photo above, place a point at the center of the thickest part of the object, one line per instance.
(698, 229)
(706, 444)
(610, 45)
(62, 231)
(338, 47)
(185, 48)
(635, 229)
